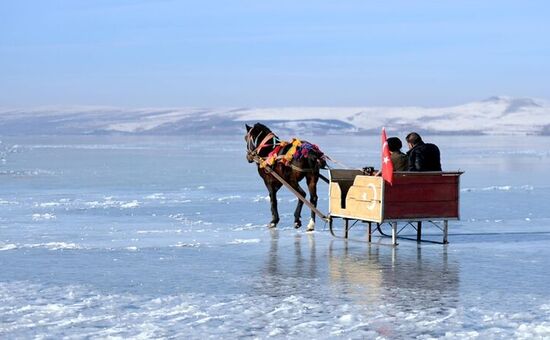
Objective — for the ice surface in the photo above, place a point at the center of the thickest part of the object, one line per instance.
(43, 217)
(145, 238)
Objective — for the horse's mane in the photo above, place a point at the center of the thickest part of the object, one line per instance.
(262, 127)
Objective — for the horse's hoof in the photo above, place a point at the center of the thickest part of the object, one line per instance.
(272, 225)
(297, 225)
(311, 225)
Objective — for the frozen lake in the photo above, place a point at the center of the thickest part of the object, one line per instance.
(165, 237)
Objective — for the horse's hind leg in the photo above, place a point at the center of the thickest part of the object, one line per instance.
(312, 188)
(299, 205)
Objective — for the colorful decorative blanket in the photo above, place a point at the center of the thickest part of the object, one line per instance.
(296, 151)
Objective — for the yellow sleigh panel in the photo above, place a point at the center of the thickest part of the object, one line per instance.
(365, 197)
(362, 197)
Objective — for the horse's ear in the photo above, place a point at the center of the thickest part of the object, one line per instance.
(247, 127)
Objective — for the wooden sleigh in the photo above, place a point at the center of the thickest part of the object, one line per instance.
(414, 198)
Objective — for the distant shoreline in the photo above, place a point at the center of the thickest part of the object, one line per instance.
(492, 116)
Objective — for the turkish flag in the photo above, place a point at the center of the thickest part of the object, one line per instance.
(387, 165)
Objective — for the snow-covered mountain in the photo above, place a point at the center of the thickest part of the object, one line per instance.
(495, 115)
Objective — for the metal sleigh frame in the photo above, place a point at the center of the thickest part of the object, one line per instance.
(396, 229)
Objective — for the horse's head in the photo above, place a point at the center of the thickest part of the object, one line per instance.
(255, 139)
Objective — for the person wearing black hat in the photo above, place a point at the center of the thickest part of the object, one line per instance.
(422, 156)
(398, 158)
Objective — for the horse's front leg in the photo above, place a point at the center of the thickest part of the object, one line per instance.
(273, 200)
(312, 188)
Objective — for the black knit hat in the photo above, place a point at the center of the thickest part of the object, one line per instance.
(394, 143)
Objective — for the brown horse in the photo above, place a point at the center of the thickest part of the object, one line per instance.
(306, 161)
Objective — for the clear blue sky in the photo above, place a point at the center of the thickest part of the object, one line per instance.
(271, 52)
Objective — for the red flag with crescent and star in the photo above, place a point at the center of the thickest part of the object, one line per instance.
(387, 165)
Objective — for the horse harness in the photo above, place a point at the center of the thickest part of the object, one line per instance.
(282, 151)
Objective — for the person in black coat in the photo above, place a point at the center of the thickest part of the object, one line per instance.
(422, 156)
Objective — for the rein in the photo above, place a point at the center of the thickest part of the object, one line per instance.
(258, 147)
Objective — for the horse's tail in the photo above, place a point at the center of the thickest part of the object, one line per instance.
(317, 159)
(322, 161)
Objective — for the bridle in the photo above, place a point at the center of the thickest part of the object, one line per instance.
(254, 147)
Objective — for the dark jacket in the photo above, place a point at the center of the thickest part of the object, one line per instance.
(399, 161)
(424, 157)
